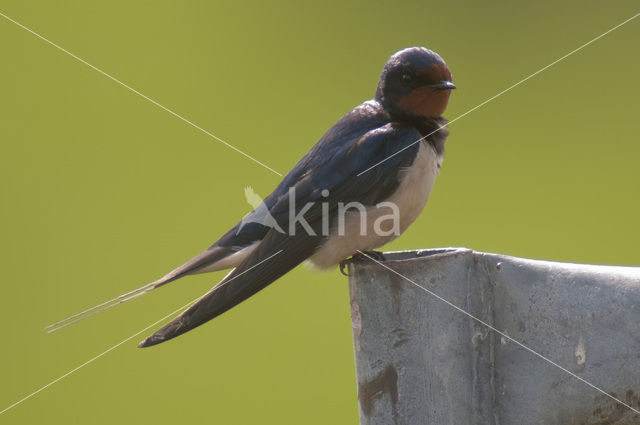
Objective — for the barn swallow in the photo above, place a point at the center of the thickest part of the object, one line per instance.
(387, 150)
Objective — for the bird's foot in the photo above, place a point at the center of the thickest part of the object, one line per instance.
(343, 266)
(361, 256)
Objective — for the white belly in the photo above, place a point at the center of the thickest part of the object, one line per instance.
(410, 197)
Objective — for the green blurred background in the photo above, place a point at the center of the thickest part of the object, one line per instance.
(101, 191)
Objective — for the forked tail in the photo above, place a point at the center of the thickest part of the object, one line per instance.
(207, 258)
(109, 304)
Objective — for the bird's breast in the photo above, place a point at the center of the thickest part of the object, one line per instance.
(410, 199)
(416, 183)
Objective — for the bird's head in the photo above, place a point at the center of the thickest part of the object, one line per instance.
(415, 81)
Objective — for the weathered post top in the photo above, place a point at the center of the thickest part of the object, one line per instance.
(421, 361)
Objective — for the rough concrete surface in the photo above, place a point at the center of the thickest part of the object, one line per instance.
(421, 361)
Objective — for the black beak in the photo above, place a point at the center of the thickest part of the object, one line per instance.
(442, 85)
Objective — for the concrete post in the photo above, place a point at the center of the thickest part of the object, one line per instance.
(420, 361)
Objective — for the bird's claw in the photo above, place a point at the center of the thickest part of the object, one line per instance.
(361, 256)
(343, 265)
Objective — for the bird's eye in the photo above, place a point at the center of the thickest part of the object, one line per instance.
(406, 77)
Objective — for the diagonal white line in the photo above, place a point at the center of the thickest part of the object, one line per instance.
(139, 94)
(95, 358)
(482, 322)
(267, 167)
(127, 339)
(505, 90)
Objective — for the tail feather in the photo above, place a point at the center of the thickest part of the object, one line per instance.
(275, 256)
(205, 259)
